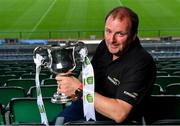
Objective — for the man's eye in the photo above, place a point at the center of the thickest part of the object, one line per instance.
(121, 34)
(107, 31)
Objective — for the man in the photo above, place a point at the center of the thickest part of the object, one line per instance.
(124, 73)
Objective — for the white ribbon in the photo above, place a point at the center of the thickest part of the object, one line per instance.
(40, 103)
(88, 89)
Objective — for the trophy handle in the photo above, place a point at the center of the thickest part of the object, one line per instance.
(42, 56)
(80, 52)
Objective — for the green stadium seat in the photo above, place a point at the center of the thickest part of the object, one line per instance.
(18, 73)
(93, 123)
(161, 73)
(24, 83)
(176, 73)
(2, 66)
(5, 78)
(170, 65)
(163, 109)
(25, 110)
(2, 70)
(157, 89)
(7, 93)
(46, 90)
(29, 69)
(32, 76)
(173, 89)
(49, 81)
(46, 71)
(14, 68)
(163, 81)
(170, 70)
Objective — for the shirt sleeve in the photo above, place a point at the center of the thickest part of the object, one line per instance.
(136, 82)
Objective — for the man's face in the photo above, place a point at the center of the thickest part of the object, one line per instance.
(117, 35)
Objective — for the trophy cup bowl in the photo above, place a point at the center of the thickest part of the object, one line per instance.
(62, 61)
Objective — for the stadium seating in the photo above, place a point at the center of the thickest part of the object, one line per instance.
(25, 110)
(4, 78)
(176, 73)
(163, 81)
(88, 123)
(49, 81)
(161, 73)
(32, 76)
(4, 69)
(24, 83)
(7, 93)
(29, 69)
(172, 89)
(46, 71)
(163, 109)
(46, 90)
(157, 89)
(167, 64)
(18, 73)
(170, 70)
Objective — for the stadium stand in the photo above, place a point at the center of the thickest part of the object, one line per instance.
(170, 70)
(18, 73)
(32, 76)
(17, 60)
(172, 89)
(176, 73)
(162, 73)
(157, 90)
(24, 83)
(163, 81)
(7, 93)
(46, 90)
(25, 110)
(163, 110)
(4, 78)
(49, 81)
(88, 123)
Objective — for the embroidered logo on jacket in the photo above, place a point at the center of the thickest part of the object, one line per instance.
(114, 80)
(133, 95)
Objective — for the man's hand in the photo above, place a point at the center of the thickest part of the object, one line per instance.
(67, 84)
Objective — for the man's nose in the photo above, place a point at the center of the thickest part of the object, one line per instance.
(112, 37)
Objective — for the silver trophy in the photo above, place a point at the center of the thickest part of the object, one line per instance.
(62, 59)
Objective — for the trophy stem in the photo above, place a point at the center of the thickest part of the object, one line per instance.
(60, 98)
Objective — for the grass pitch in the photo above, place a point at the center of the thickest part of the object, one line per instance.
(83, 19)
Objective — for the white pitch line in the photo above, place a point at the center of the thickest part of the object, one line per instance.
(44, 15)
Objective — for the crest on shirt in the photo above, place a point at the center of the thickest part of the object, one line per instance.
(115, 81)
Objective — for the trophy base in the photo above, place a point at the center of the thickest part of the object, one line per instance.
(60, 99)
